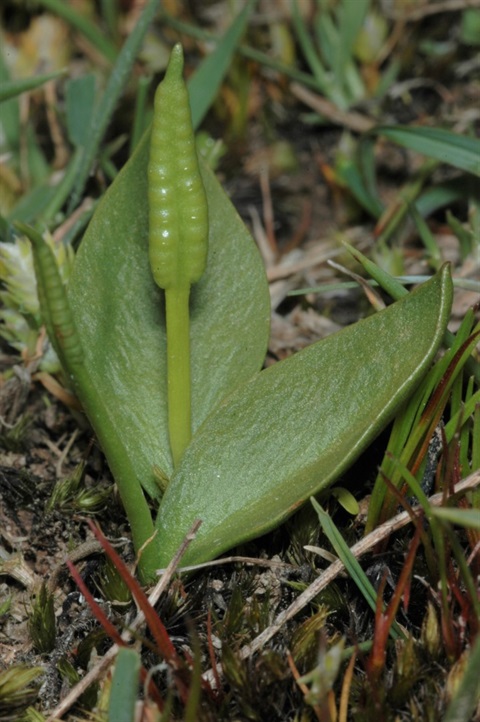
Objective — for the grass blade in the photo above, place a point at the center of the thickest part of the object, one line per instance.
(349, 561)
(443, 145)
(205, 81)
(116, 83)
(79, 106)
(124, 689)
(142, 112)
(395, 289)
(13, 88)
(345, 555)
(84, 26)
(323, 82)
(428, 239)
(463, 703)
(350, 16)
(461, 517)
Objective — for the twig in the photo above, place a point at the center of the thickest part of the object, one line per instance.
(90, 546)
(270, 563)
(314, 257)
(358, 549)
(349, 119)
(268, 212)
(100, 668)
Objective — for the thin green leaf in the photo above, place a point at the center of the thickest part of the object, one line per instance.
(292, 429)
(343, 552)
(367, 166)
(10, 126)
(464, 234)
(59, 193)
(395, 289)
(81, 22)
(427, 237)
(206, 80)
(443, 145)
(115, 86)
(350, 562)
(402, 427)
(351, 176)
(110, 12)
(476, 441)
(466, 578)
(467, 518)
(142, 115)
(18, 684)
(389, 284)
(442, 195)
(268, 61)
(406, 197)
(413, 484)
(31, 205)
(80, 100)
(350, 17)
(124, 688)
(466, 283)
(322, 79)
(465, 700)
(13, 88)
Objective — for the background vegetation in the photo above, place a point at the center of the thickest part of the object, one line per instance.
(314, 120)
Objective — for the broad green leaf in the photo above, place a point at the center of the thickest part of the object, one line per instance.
(119, 315)
(457, 150)
(293, 428)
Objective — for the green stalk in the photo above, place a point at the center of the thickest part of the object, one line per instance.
(178, 236)
(178, 370)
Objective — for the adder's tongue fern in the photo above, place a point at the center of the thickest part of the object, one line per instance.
(178, 236)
